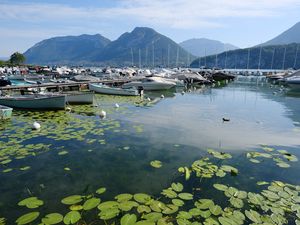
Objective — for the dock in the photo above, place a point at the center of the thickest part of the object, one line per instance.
(62, 86)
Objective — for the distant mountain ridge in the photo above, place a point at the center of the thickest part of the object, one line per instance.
(66, 49)
(292, 35)
(142, 46)
(259, 57)
(204, 47)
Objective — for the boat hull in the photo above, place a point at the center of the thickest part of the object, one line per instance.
(35, 102)
(5, 112)
(80, 98)
(113, 91)
(150, 86)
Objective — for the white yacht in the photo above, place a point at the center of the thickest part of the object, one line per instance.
(151, 84)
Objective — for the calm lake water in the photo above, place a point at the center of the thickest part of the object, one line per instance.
(78, 152)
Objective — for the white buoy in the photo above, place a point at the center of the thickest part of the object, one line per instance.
(117, 105)
(182, 92)
(162, 96)
(36, 126)
(102, 114)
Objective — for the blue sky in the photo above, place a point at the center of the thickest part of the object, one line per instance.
(240, 22)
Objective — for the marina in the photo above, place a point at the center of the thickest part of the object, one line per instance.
(149, 112)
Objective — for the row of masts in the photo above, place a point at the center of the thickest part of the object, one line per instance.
(216, 58)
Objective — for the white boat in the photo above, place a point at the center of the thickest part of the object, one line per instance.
(79, 97)
(5, 112)
(34, 101)
(104, 89)
(75, 97)
(293, 80)
(151, 84)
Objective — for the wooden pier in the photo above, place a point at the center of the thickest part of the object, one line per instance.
(62, 86)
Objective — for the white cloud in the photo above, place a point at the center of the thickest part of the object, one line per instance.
(167, 13)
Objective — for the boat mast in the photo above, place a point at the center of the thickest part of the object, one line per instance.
(199, 62)
(140, 66)
(283, 62)
(153, 54)
(225, 59)
(146, 58)
(296, 56)
(177, 56)
(131, 57)
(168, 55)
(205, 57)
(248, 58)
(216, 62)
(272, 62)
(259, 60)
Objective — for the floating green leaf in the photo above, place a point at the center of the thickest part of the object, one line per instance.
(52, 218)
(178, 187)
(128, 219)
(91, 203)
(185, 196)
(72, 217)
(71, 200)
(220, 187)
(253, 216)
(123, 197)
(31, 203)
(142, 198)
(156, 164)
(101, 190)
(27, 218)
(109, 213)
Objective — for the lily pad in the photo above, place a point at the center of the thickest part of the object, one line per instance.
(123, 197)
(178, 187)
(71, 200)
(101, 190)
(52, 218)
(31, 203)
(109, 213)
(72, 217)
(142, 198)
(185, 196)
(128, 219)
(27, 218)
(156, 164)
(91, 203)
(253, 216)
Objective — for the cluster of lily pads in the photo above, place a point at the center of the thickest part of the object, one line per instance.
(278, 203)
(57, 126)
(280, 157)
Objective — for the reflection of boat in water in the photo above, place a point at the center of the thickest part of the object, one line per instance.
(5, 112)
(104, 89)
(34, 101)
(151, 84)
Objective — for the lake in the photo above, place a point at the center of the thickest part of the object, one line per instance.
(244, 170)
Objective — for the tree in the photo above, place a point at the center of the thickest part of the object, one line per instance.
(17, 58)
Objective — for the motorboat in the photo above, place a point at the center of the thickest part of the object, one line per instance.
(151, 84)
(105, 89)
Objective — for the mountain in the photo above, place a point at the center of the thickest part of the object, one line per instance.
(144, 46)
(65, 50)
(260, 57)
(202, 46)
(289, 36)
